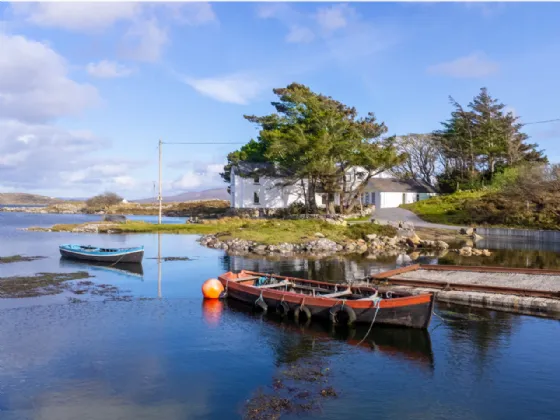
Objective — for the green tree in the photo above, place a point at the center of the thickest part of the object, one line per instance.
(102, 201)
(314, 140)
(478, 140)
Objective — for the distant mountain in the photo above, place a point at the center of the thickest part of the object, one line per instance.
(22, 199)
(213, 194)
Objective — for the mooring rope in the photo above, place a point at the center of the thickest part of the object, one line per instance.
(377, 304)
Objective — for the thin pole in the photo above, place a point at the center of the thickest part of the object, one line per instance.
(159, 265)
(159, 195)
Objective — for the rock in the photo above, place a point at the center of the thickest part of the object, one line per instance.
(469, 242)
(322, 244)
(371, 236)
(476, 237)
(319, 235)
(350, 246)
(466, 251)
(413, 241)
(441, 245)
(486, 253)
(466, 231)
(362, 248)
(477, 252)
(285, 247)
(114, 218)
(360, 242)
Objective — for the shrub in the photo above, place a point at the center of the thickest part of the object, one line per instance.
(104, 200)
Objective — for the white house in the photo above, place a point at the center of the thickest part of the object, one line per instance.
(392, 192)
(249, 188)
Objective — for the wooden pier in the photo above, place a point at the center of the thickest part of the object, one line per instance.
(531, 291)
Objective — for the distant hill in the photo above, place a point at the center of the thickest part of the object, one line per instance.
(213, 194)
(22, 199)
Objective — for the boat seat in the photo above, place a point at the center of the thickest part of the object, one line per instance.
(337, 294)
(245, 278)
(274, 285)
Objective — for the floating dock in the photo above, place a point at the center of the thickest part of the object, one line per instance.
(528, 291)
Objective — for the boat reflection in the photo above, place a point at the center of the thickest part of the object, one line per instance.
(127, 269)
(405, 344)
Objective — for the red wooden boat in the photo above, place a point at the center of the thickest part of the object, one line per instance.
(339, 303)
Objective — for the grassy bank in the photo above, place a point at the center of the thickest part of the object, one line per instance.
(447, 209)
(272, 231)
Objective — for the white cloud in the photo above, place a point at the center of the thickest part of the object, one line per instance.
(34, 84)
(273, 10)
(199, 174)
(108, 69)
(235, 89)
(81, 17)
(486, 9)
(193, 14)
(145, 41)
(300, 34)
(334, 17)
(474, 65)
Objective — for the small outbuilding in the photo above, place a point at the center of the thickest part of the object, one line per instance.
(392, 192)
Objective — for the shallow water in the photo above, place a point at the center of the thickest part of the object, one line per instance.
(176, 357)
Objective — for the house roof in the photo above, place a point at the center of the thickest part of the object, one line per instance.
(398, 185)
(257, 168)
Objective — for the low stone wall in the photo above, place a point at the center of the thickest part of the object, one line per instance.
(527, 234)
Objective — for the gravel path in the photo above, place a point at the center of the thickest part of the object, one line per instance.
(402, 215)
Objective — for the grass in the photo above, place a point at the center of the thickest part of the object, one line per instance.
(446, 209)
(18, 258)
(359, 219)
(271, 231)
(37, 285)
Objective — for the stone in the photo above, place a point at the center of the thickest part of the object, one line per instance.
(413, 241)
(466, 251)
(477, 252)
(371, 236)
(486, 253)
(361, 242)
(476, 237)
(466, 231)
(441, 245)
(319, 235)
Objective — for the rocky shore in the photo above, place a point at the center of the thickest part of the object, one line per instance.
(373, 244)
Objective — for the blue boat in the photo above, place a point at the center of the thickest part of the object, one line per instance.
(110, 255)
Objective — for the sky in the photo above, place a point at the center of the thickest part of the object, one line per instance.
(88, 89)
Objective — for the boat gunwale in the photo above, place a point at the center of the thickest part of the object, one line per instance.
(318, 301)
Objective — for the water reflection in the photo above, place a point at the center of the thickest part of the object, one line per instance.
(404, 344)
(125, 269)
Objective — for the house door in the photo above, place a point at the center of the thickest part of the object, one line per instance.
(404, 198)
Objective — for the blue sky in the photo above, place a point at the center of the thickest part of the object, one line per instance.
(86, 90)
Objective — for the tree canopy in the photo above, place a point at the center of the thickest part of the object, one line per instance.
(480, 139)
(314, 139)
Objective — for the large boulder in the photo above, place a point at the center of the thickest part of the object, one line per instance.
(322, 244)
(466, 231)
(466, 251)
(413, 241)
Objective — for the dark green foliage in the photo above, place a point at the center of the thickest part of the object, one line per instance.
(313, 140)
(104, 200)
(479, 140)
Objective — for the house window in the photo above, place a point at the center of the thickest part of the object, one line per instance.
(256, 179)
(360, 175)
(367, 198)
(256, 198)
(348, 177)
(372, 198)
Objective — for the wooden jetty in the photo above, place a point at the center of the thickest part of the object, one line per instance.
(523, 290)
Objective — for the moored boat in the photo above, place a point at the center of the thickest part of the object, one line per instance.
(339, 303)
(100, 254)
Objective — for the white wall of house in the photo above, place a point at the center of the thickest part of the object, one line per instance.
(265, 192)
(383, 200)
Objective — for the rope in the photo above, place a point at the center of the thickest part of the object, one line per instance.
(376, 304)
(116, 262)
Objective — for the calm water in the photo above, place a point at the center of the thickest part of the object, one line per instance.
(174, 357)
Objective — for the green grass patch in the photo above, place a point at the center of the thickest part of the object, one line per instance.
(268, 231)
(446, 209)
(18, 258)
(358, 219)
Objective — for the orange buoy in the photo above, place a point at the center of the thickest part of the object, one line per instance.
(212, 288)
